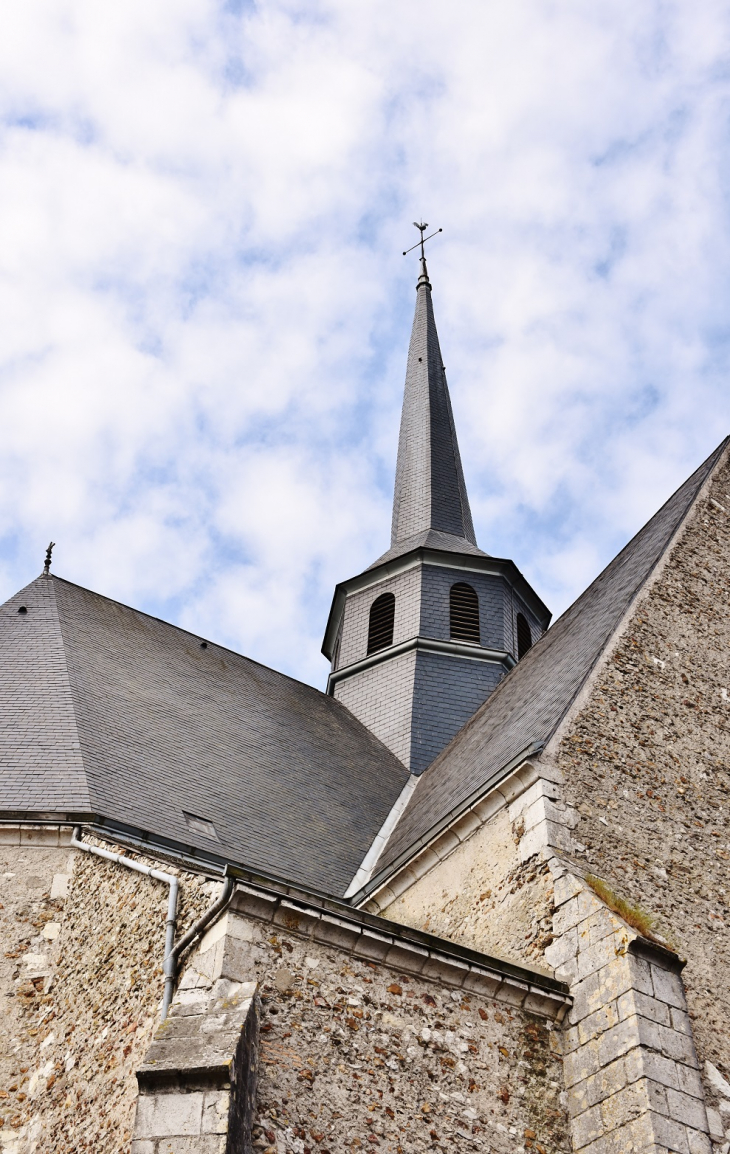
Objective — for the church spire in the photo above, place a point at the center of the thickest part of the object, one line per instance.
(420, 639)
(430, 494)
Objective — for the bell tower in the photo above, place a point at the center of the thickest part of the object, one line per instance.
(420, 639)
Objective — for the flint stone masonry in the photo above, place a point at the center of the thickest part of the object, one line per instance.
(355, 1015)
(197, 1085)
(532, 700)
(630, 1068)
(81, 983)
(369, 1040)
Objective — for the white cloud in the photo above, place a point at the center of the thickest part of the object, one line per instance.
(206, 314)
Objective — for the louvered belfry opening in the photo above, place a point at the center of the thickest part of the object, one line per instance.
(524, 636)
(382, 618)
(464, 613)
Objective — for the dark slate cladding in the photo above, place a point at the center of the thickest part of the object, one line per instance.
(531, 700)
(429, 482)
(446, 692)
(109, 711)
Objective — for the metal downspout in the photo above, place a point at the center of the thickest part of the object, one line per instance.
(172, 957)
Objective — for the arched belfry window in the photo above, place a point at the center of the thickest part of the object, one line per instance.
(382, 617)
(524, 636)
(464, 613)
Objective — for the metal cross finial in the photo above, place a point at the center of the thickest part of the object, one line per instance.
(47, 566)
(422, 239)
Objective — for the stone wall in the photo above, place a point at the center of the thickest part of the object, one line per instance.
(630, 1069)
(630, 1066)
(197, 1085)
(409, 1054)
(81, 984)
(647, 766)
(484, 896)
(358, 1054)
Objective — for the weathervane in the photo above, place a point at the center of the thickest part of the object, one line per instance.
(47, 566)
(422, 240)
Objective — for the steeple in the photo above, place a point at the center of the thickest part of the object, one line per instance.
(420, 639)
(430, 502)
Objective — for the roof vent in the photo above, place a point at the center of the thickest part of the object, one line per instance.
(201, 825)
(22, 609)
(203, 644)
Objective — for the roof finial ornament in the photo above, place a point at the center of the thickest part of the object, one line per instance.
(47, 566)
(423, 279)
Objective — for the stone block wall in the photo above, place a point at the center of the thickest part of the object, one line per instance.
(197, 1085)
(410, 1054)
(631, 1071)
(630, 1067)
(367, 1039)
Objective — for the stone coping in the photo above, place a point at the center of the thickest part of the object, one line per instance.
(413, 952)
(192, 1049)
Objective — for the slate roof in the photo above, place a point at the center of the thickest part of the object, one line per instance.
(107, 711)
(430, 493)
(532, 699)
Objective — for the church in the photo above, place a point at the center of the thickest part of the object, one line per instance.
(473, 897)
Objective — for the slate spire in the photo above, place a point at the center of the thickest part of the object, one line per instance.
(430, 494)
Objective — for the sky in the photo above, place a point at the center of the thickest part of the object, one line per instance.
(206, 310)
